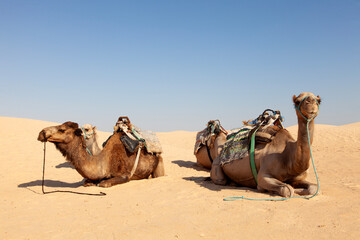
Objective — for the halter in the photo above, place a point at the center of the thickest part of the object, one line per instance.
(85, 136)
(298, 108)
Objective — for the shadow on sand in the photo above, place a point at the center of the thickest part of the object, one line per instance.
(206, 182)
(65, 165)
(51, 183)
(190, 164)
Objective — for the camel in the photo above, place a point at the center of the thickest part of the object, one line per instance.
(113, 165)
(281, 164)
(91, 139)
(208, 149)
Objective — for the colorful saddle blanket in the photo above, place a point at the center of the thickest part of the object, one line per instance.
(236, 145)
(237, 141)
(213, 128)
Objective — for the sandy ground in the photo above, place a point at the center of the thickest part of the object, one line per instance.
(178, 206)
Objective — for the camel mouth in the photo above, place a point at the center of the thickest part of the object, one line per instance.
(42, 137)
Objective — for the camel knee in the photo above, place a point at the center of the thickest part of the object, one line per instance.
(217, 175)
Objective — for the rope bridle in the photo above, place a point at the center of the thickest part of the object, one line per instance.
(85, 137)
(62, 191)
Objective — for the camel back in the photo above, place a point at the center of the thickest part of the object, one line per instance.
(238, 140)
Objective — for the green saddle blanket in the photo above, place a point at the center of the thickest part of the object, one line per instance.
(236, 145)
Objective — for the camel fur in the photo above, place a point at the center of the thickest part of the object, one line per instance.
(111, 166)
(91, 138)
(282, 163)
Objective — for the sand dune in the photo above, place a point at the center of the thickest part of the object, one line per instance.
(178, 206)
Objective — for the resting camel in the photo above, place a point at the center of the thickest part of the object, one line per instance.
(113, 165)
(282, 163)
(207, 151)
(91, 139)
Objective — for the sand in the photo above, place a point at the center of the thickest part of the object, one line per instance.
(178, 206)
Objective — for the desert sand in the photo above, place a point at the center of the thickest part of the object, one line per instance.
(180, 205)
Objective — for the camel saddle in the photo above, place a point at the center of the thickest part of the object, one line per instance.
(237, 143)
(135, 135)
(213, 127)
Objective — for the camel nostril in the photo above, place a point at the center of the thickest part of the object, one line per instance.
(42, 136)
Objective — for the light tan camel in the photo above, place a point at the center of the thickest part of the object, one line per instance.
(113, 165)
(282, 163)
(91, 139)
(208, 149)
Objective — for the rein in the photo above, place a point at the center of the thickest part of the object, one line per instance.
(61, 191)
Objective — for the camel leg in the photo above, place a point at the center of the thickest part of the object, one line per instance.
(90, 183)
(159, 170)
(113, 181)
(271, 184)
(303, 187)
(217, 174)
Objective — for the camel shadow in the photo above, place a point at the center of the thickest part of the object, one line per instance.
(190, 164)
(206, 182)
(51, 183)
(65, 165)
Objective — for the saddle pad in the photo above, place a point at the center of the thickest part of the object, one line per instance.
(201, 139)
(152, 142)
(236, 146)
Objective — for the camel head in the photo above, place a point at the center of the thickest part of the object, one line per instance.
(89, 131)
(307, 105)
(63, 133)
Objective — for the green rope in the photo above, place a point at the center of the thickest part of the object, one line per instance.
(312, 161)
(85, 139)
(252, 155)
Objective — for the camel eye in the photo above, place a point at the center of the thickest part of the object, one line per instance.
(61, 130)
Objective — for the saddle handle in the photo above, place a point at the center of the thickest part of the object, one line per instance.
(125, 120)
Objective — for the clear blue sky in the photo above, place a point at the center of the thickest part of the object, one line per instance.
(174, 65)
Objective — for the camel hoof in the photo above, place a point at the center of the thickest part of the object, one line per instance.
(104, 184)
(312, 189)
(89, 183)
(286, 191)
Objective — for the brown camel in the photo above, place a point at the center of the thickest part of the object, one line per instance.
(113, 165)
(209, 147)
(282, 163)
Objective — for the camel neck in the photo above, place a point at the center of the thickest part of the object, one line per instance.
(94, 146)
(302, 153)
(86, 165)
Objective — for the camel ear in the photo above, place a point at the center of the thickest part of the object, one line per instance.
(94, 128)
(318, 99)
(296, 100)
(78, 132)
(71, 124)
